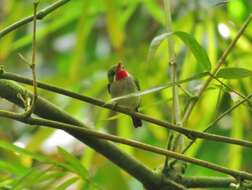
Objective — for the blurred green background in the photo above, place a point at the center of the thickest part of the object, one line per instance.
(77, 44)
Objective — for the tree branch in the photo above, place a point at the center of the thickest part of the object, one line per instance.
(207, 182)
(40, 15)
(87, 136)
(192, 134)
(45, 109)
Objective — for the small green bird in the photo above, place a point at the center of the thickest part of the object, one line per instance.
(121, 83)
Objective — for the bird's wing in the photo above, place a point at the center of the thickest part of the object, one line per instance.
(108, 86)
(137, 84)
(111, 73)
(138, 88)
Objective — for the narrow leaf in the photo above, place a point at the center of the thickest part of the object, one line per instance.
(198, 51)
(234, 73)
(155, 44)
(28, 179)
(35, 156)
(13, 168)
(22, 151)
(4, 183)
(67, 183)
(74, 163)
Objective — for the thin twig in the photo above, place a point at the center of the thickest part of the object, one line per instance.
(41, 14)
(186, 92)
(246, 99)
(193, 134)
(218, 119)
(233, 90)
(220, 62)
(30, 108)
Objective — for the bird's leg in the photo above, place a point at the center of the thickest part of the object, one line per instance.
(114, 105)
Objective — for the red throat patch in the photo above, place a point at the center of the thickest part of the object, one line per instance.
(121, 74)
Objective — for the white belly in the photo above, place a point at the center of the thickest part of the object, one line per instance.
(124, 87)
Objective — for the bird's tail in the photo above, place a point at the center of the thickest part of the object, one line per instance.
(136, 121)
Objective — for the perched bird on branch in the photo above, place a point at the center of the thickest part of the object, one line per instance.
(121, 83)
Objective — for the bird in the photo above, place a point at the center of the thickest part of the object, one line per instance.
(122, 83)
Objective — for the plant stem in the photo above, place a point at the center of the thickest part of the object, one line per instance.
(41, 14)
(175, 94)
(28, 112)
(34, 46)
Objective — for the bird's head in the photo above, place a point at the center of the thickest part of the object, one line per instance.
(121, 72)
(117, 72)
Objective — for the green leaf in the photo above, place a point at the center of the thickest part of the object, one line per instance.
(16, 149)
(238, 9)
(129, 11)
(28, 179)
(38, 138)
(12, 168)
(155, 10)
(74, 163)
(51, 177)
(52, 174)
(155, 44)
(67, 183)
(198, 51)
(36, 156)
(234, 73)
(4, 184)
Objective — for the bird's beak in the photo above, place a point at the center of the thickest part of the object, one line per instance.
(119, 66)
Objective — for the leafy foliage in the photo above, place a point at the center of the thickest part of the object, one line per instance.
(78, 42)
(234, 73)
(198, 52)
(38, 171)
